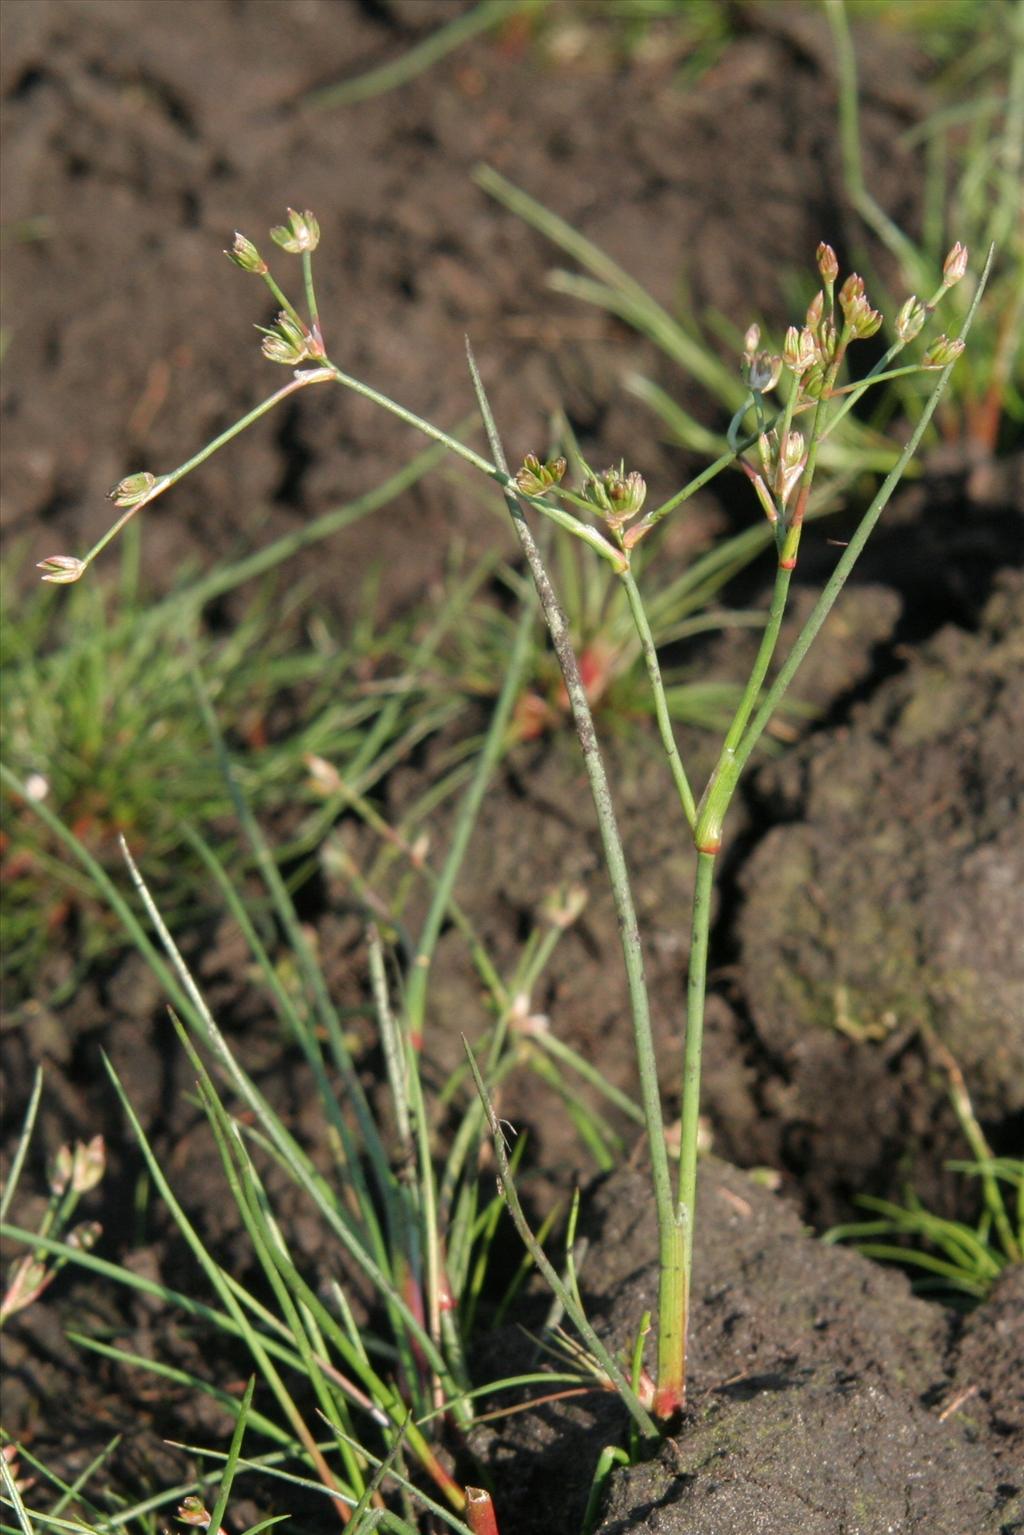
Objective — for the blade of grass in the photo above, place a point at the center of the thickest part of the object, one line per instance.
(639, 1413)
(418, 59)
(22, 1143)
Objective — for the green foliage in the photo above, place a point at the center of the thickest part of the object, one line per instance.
(972, 147)
(955, 1259)
(408, 1212)
(101, 718)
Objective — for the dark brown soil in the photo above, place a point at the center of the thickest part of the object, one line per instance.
(139, 134)
(825, 1397)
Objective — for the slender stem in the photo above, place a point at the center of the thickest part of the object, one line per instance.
(437, 43)
(469, 809)
(849, 137)
(964, 1110)
(283, 299)
(480, 1511)
(564, 519)
(416, 996)
(697, 483)
(307, 278)
(690, 1109)
(615, 1375)
(668, 739)
(669, 1234)
(725, 776)
(165, 481)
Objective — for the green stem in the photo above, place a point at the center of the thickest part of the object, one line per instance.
(501, 477)
(690, 1110)
(307, 278)
(725, 776)
(604, 1359)
(469, 809)
(697, 483)
(165, 481)
(669, 1235)
(849, 137)
(668, 739)
(437, 43)
(283, 299)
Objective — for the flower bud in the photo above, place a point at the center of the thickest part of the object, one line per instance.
(192, 1511)
(60, 1170)
(244, 254)
(955, 265)
(768, 448)
(133, 489)
(286, 342)
(61, 569)
(534, 478)
(851, 293)
(799, 351)
(862, 320)
(825, 340)
(764, 495)
(791, 465)
(828, 266)
(88, 1164)
(26, 1281)
(763, 371)
(942, 352)
(910, 319)
(562, 905)
(792, 449)
(813, 382)
(85, 1235)
(815, 310)
(301, 233)
(751, 342)
(866, 321)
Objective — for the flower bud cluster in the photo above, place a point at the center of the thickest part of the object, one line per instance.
(800, 351)
(82, 1168)
(287, 342)
(534, 478)
(618, 496)
(782, 463)
(861, 319)
(942, 352)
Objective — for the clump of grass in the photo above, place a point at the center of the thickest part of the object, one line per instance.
(404, 1208)
(956, 1259)
(99, 704)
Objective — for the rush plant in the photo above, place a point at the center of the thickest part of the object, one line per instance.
(790, 400)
